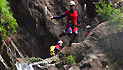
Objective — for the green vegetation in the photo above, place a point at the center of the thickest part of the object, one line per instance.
(58, 61)
(33, 59)
(70, 60)
(109, 13)
(116, 64)
(122, 8)
(8, 24)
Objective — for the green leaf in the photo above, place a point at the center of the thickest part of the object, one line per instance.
(7, 20)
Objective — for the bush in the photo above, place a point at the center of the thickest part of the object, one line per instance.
(33, 59)
(104, 10)
(8, 23)
(109, 13)
(122, 8)
(70, 60)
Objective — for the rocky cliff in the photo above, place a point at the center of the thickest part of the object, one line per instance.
(97, 52)
(37, 33)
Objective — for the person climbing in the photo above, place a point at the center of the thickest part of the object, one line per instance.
(55, 49)
(72, 20)
(88, 27)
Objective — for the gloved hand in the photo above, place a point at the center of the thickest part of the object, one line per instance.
(50, 18)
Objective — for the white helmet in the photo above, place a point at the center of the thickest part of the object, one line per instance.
(60, 41)
(88, 26)
(72, 3)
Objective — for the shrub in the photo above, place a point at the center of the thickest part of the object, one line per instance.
(8, 23)
(70, 60)
(33, 59)
(109, 13)
(122, 8)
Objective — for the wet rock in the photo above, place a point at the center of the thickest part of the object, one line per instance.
(66, 67)
(85, 65)
(2, 67)
(104, 63)
(38, 67)
(74, 68)
(60, 64)
(52, 68)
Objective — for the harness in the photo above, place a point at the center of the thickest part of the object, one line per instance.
(72, 25)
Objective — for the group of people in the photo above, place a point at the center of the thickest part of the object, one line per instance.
(71, 28)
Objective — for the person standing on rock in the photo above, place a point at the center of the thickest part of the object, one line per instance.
(72, 20)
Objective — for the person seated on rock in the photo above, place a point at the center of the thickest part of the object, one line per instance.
(72, 20)
(88, 27)
(55, 49)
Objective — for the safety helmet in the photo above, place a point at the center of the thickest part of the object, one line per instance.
(72, 3)
(60, 41)
(88, 26)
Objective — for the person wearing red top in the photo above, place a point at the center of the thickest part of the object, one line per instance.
(59, 46)
(72, 20)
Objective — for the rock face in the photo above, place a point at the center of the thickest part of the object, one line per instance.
(112, 45)
(90, 54)
(32, 40)
(37, 33)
